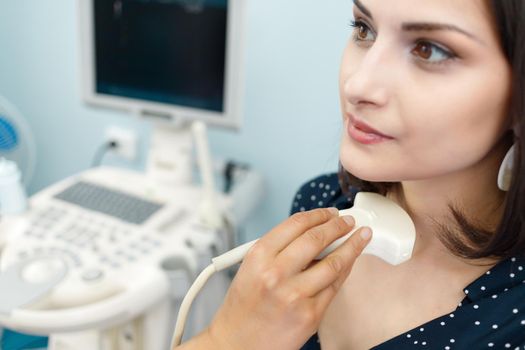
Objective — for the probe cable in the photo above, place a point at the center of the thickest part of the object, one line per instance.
(219, 263)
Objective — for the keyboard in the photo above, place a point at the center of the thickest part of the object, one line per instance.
(110, 202)
(112, 243)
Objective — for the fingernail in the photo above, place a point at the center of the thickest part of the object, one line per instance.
(366, 233)
(349, 220)
(333, 211)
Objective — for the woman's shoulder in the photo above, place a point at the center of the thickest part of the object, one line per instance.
(323, 191)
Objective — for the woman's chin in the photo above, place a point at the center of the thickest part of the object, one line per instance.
(369, 174)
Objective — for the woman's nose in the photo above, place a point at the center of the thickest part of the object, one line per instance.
(368, 80)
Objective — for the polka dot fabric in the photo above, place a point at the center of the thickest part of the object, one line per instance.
(491, 316)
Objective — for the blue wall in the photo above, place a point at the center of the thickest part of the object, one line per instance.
(291, 115)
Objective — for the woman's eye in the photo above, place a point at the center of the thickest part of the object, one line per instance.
(361, 31)
(431, 53)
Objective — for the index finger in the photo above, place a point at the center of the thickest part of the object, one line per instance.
(335, 267)
(286, 232)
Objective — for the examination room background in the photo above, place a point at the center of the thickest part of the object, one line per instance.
(291, 121)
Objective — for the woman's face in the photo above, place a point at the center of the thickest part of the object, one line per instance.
(430, 76)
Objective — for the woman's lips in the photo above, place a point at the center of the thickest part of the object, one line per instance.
(363, 133)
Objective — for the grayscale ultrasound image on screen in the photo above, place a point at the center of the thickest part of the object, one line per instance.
(168, 51)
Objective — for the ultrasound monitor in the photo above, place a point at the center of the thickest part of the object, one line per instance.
(169, 59)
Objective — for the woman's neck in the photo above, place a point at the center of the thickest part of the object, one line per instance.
(472, 191)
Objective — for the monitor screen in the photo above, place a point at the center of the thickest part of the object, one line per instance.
(165, 51)
(166, 60)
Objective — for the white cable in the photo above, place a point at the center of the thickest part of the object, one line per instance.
(219, 263)
(186, 304)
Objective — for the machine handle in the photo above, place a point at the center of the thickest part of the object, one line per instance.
(151, 287)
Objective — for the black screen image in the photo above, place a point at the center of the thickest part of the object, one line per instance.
(167, 51)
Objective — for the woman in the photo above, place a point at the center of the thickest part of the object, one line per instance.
(433, 97)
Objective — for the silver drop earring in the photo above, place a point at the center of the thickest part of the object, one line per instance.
(505, 170)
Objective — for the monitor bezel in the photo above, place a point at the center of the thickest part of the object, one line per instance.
(231, 115)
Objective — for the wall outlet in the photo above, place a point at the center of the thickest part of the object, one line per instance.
(126, 140)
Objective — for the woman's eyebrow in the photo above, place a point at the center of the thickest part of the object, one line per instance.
(424, 26)
(362, 8)
(421, 26)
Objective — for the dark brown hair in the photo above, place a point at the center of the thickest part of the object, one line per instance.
(508, 238)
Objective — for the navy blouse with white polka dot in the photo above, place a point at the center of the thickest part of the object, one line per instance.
(491, 316)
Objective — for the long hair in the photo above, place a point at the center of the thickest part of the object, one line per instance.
(508, 238)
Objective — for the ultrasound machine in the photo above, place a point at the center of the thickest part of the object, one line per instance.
(103, 258)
